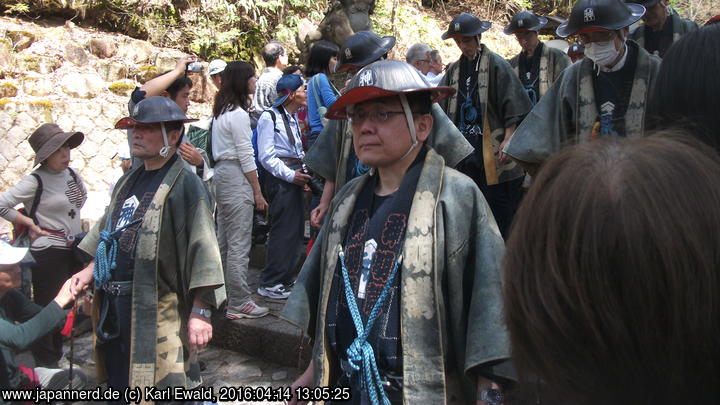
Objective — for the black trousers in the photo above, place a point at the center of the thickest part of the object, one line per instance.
(117, 351)
(503, 198)
(287, 226)
(52, 267)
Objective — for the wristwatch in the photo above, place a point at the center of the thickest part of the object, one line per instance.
(491, 396)
(204, 312)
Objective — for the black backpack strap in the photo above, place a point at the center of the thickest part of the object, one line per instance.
(36, 199)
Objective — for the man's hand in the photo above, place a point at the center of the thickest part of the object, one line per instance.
(318, 214)
(260, 203)
(483, 384)
(65, 295)
(199, 331)
(305, 380)
(502, 156)
(80, 281)
(182, 63)
(191, 154)
(300, 178)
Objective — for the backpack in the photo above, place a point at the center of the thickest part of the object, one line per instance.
(202, 138)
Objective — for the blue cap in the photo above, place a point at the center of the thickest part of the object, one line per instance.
(286, 85)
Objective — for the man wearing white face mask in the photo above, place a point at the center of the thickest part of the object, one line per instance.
(605, 94)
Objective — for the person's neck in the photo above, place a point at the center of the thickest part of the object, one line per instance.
(158, 161)
(531, 52)
(619, 61)
(291, 108)
(390, 177)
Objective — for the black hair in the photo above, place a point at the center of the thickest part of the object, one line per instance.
(234, 90)
(173, 126)
(686, 89)
(320, 55)
(290, 70)
(178, 85)
(271, 52)
(420, 103)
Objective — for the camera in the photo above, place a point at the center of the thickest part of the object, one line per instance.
(194, 67)
(315, 183)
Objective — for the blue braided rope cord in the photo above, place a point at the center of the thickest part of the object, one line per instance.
(106, 253)
(360, 354)
(530, 90)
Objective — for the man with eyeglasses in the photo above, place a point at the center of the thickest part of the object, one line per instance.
(418, 55)
(332, 156)
(662, 26)
(604, 94)
(489, 103)
(537, 66)
(402, 292)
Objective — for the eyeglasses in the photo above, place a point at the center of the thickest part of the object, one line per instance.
(596, 36)
(378, 117)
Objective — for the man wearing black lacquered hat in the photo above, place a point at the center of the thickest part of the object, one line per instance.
(605, 94)
(489, 103)
(663, 26)
(537, 65)
(332, 156)
(401, 291)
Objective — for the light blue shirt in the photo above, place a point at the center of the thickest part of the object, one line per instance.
(274, 144)
(327, 96)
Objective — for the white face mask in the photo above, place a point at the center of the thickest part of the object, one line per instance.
(602, 53)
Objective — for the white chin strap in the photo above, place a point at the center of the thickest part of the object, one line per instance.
(410, 123)
(165, 150)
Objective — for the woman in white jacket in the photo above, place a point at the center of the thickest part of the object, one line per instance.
(237, 188)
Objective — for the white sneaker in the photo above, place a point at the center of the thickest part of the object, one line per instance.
(277, 292)
(249, 310)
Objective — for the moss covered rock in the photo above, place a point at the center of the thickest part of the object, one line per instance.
(8, 89)
(21, 39)
(122, 88)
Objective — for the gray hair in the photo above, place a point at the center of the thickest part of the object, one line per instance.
(417, 52)
(434, 54)
(271, 52)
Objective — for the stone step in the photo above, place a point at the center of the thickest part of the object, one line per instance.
(269, 338)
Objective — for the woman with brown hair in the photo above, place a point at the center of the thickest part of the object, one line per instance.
(611, 274)
(53, 195)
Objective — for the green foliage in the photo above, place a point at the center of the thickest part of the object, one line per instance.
(229, 29)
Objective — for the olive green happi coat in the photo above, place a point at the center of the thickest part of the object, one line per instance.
(681, 26)
(450, 305)
(567, 113)
(328, 157)
(503, 102)
(552, 63)
(176, 251)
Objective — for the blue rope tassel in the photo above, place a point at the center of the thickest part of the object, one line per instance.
(360, 354)
(106, 253)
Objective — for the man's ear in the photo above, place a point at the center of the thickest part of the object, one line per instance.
(174, 137)
(423, 126)
(166, 94)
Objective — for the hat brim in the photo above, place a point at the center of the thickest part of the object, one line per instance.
(73, 139)
(10, 254)
(565, 29)
(280, 100)
(646, 3)
(484, 26)
(386, 44)
(510, 30)
(127, 122)
(359, 94)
